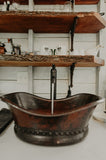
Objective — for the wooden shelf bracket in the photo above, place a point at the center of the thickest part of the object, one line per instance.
(72, 3)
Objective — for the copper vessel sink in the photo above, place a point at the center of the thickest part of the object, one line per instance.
(34, 122)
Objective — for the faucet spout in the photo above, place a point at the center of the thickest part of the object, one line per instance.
(53, 87)
(53, 81)
(52, 100)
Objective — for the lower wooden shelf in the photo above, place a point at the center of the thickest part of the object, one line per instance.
(48, 60)
(24, 2)
(86, 2)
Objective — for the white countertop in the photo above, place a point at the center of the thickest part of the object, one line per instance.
(93, 147)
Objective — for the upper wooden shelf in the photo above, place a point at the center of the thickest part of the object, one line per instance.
(24, 2)
(45, 60)
(50, 22)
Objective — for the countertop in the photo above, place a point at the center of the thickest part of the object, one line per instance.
(93, 147)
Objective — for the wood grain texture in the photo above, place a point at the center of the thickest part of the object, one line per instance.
(50, 22)
(65, 1)
(24, 2)
(86, 2)
(42, 60)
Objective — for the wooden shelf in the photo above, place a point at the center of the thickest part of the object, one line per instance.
(44, 60)
(86, 2)
(25, 2)
(22, 2)
(66, 1)
(50, 22)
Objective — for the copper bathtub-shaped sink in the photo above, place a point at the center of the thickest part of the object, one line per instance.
(35, 124)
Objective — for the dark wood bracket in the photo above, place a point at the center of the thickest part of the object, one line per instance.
(72, 67)
(72, 3)
(73, 31)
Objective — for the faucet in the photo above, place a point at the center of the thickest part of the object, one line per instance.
(53, 87)
(53, 81)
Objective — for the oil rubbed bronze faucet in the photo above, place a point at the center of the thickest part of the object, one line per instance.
(53, 81)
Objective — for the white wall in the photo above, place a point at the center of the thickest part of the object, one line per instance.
(16, 78)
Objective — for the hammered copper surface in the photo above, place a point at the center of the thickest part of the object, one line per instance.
(35, 124)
